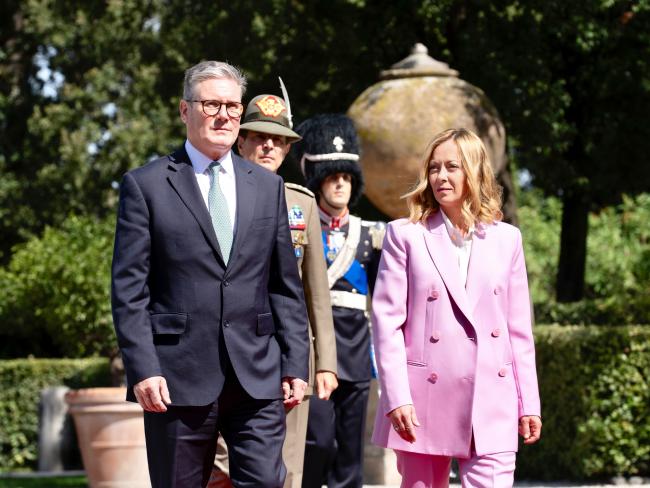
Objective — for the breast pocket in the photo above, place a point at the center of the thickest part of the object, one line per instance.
(262, 222)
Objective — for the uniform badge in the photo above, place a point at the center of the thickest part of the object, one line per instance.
(338, 143)
(335, 241)
(298, 239)
(296, 218)
(270, 106)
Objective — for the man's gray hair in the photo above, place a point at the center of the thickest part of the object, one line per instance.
(210, 70)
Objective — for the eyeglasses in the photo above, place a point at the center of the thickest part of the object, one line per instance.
(213, 107)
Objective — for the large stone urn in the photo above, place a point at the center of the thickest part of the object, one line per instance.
(398, 116)
(110, 432)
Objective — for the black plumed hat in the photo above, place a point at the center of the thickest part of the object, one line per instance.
(329, 145)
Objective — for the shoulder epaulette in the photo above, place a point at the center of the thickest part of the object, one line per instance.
(300, 188)
(377, 230)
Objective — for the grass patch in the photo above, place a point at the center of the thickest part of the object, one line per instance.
(45, 482)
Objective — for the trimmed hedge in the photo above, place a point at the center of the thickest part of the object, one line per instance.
(21, 381)
(594, 385)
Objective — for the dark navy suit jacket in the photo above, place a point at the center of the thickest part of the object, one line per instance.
(179, 312)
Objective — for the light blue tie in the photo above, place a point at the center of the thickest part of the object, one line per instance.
(219, 212)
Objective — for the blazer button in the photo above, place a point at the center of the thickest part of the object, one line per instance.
(502, 372)
(435, 336)
(433, 377)
(226, 324)
(496, 332)
(226, 283)
(434, 296)
(497, 291)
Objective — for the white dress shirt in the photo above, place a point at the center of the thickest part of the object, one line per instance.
(462, 245)
(201, 163)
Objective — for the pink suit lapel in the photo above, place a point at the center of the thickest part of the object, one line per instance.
(481, 261)
(442, 254)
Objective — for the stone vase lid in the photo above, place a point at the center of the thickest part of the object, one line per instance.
(418, 63)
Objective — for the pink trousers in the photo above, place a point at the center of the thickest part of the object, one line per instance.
(427, 471)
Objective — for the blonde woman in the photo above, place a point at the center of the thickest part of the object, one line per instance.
(452, 327)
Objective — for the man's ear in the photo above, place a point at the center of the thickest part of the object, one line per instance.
(182, 110)
(240, 142)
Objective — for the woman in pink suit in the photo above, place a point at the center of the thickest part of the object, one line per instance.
(452, 327)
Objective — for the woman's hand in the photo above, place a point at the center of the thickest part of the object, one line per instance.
(404, 422)
(530, 428)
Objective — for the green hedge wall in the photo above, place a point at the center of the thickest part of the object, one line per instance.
(21, 381)
(594, 385)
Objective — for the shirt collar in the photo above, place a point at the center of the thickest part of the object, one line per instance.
(200, 161)
(333, 222)
(455, 234)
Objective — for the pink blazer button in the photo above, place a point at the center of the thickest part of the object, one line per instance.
(496, 332)
(433, 296)
(497, 291)
(433, 377)
(435, 336)
(502, 372)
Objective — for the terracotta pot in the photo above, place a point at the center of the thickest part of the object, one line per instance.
(110, 431)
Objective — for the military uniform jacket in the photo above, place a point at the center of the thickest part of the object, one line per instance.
(308, 249)
(351, 324)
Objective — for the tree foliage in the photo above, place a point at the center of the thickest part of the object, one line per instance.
(56, 293)
(617, 276)
(570, 79)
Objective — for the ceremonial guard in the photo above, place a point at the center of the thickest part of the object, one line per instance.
(265, 138)
(329, 159)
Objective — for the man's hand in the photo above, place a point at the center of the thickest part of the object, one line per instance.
(326, 383)
(152, 394)
(404, 422)
(293, 390)
(530, 428)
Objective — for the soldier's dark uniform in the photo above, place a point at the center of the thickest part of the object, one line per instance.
(336, 428)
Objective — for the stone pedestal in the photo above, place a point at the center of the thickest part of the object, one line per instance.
(379, 464)
(57, 443)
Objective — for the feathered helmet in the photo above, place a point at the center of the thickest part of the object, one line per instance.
(329, 145)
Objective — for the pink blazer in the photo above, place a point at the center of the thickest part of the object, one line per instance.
(463, 356)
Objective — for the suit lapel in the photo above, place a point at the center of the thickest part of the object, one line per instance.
(182, 178)
(440, 249)
(246, 196)
(480, 265)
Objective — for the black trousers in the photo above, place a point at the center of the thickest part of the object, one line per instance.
(181, 442)
(335, 435)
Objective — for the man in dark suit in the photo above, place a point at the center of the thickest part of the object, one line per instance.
(207, 302)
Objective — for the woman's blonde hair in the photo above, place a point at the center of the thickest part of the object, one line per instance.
(482, 202)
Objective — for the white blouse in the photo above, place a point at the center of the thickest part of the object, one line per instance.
(462, 245)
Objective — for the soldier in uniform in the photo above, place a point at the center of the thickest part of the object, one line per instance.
(329, 159)
(265, 138)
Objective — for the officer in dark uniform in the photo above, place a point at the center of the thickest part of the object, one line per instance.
(329, 159)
